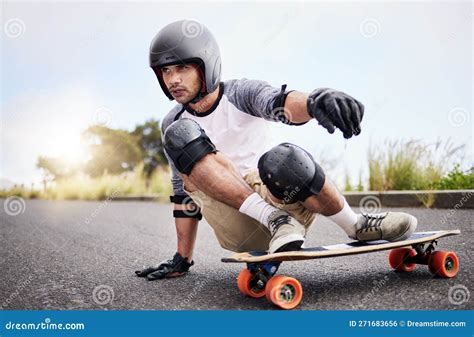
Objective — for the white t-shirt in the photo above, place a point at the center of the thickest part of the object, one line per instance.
(237, 124)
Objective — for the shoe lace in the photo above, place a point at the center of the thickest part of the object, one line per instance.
(372, 221)
(277, 222)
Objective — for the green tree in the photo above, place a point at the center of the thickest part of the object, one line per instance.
(148, 136)
(112, 151)
(55, 168)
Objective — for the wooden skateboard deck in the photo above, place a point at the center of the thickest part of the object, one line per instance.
(354, 247)
(259, 278)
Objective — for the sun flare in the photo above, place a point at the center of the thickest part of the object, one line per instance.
(67, 145)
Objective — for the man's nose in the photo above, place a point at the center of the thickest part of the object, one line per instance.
(175, 78)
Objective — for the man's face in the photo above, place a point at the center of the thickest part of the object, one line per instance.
(182, 80)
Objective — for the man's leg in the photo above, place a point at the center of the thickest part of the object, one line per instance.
(216, 176)
(213, 173)
(291, 175)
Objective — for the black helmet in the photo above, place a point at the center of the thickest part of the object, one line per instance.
(187, 41)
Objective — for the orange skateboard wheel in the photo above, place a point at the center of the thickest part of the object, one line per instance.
(285, 292)
(397, 259)
(243, 282)
(444, 264)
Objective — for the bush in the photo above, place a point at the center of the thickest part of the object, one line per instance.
(456, 179)
(409, 165)
(84, 187)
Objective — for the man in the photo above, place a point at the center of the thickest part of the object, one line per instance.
(255, 196)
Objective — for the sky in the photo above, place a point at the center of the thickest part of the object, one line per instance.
(68, 65)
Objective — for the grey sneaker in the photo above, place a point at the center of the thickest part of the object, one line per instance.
(287, 233)
(390, 226)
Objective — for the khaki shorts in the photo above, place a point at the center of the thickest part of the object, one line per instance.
(238, 232)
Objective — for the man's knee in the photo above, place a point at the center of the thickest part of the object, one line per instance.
(186, 143)
(290, 173)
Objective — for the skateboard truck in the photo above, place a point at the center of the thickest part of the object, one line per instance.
(261, 273)
(422, 254)
(259, 280)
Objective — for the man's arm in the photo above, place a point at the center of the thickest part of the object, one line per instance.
(295, 105)
(187, 215)
(331, 108)
(186, 230)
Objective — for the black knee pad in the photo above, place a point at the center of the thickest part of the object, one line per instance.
(290, 173)
(186, 143)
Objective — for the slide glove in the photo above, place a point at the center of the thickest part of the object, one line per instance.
(335, 109)
(175, 267)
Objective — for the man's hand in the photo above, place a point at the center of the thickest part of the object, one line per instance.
(332, 108)
(178, 266)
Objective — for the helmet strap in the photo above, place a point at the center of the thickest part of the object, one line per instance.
(200, 95)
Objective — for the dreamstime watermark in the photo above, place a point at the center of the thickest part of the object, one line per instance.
(14, 205)
(460, 203)
(281, 114)
(202, 106)
(99, 32)
(192, 28)
(378, 104)
(369, 28)
(180, 127)
(46, 325)
(370, 204)
(103, 116)
(293, 14)
(103, 294)
(279, 28)
(14, 28)
(195, 291)
(378, 284)
(193, 207)
(458, 294)
(99, 209)
(406, 297)
(109, 248)
(22, 285)
(458, 117)
(56, 241)
(288, 196)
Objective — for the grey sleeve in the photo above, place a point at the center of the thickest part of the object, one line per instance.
(258, 98)
(176, 181)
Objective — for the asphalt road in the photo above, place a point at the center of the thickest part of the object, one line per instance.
(82, 255)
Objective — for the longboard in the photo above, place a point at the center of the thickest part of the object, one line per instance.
(350, 248)
(258, 279)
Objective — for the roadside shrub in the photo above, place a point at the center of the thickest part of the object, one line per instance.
(84, 187)
(456, 179)
(410, 165)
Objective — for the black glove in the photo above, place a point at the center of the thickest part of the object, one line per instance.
(332, 108)
(178, 266)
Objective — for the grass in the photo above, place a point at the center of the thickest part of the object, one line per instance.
(414, 165)
(397, 165)
(107, 186)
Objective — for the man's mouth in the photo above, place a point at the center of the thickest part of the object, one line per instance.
(178, 92)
